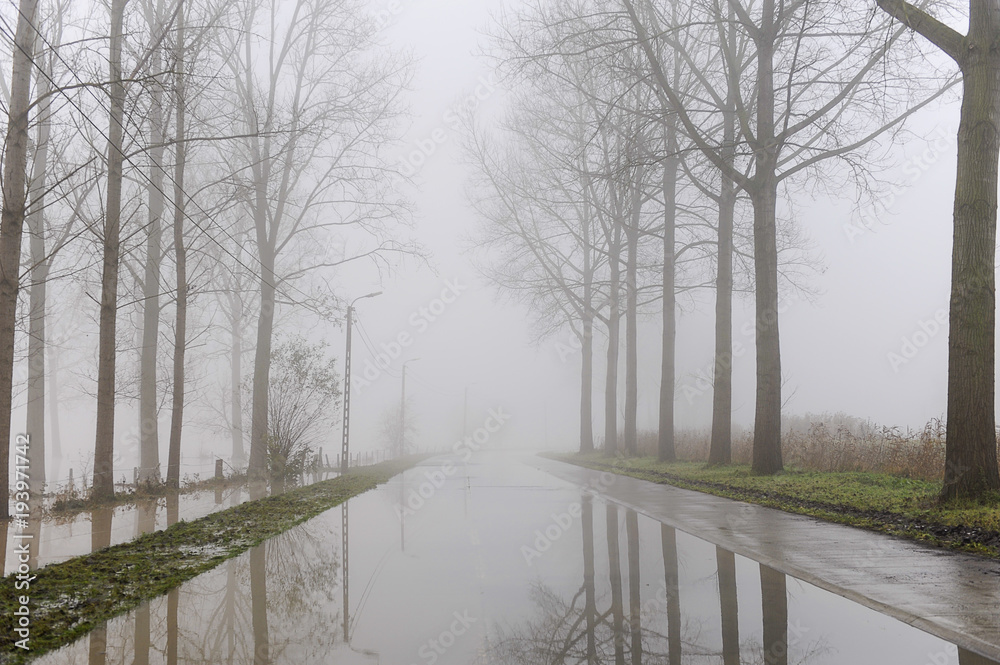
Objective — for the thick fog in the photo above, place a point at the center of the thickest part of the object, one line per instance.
(865, 332)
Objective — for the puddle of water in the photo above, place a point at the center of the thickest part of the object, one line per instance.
(497, 562)
(56, 538)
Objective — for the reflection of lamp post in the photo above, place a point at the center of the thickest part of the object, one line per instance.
(402, 441)
(344, 448)
(402, 410)
(343, 554)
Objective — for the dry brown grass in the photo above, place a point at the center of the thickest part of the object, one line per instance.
(831, 442)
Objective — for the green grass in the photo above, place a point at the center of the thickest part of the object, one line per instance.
(71, 598)
(883, 502)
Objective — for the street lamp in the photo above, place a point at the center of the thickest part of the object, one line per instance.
(465, 409)
(402, 409)
(344, 448)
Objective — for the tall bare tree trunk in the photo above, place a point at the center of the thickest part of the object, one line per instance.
(971, 455)
(103, 487)
(632, 318)
(721, 449)
(666, 451)
(149, 435)
(180, 253)
(262, 368)
(614, 324)
(587, 383)
(767, 422)
(236, 397)
(35, 426)
(55, 437)
(587, 344)
(15, 174)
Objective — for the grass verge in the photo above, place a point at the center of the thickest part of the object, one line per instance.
(69, 599)
(881, 502)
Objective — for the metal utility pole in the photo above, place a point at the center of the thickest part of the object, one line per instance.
(465, 414)
(402, 410)
(465, 409)
(345, 447)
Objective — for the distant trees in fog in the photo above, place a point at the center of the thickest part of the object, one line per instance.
(653, 147)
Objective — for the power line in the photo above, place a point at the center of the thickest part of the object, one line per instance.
(132, 137)
(366, 340)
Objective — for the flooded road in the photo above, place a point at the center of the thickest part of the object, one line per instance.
(495, 561)
(63, 536)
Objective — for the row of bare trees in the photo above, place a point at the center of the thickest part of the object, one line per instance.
(222, 158)
(653, 148)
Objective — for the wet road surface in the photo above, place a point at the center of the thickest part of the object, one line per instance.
(493, 560)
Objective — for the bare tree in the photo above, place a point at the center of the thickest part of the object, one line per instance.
(40, 264)
(626, 160)
(15, 176)
(103, 486)
(971, 438)
(180, 252)
(539, 238)
(313, 111)
(800, 112)
(149, 439)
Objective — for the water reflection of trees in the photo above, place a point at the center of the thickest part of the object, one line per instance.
(588, 628)
(591, 628)
(100, 537)
(248, 610)
(253, 613)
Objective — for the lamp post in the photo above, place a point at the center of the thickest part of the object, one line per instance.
(402, 410)
(345, 448)
(465, 409)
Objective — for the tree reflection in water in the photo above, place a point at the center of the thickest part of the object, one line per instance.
(671, 579)
(634, 590)
(590, 627)
(100, 537)
(580, 630)
(248, 610)
(729, 604)
(614, 564)
(145, 523)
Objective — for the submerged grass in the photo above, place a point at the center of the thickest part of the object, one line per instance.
(69, 599)
(68, 504)
(883, 502)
